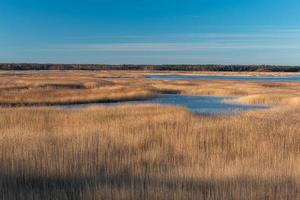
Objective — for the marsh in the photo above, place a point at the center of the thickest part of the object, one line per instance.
(148, 143)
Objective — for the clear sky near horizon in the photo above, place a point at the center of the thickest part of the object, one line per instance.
(150, 31)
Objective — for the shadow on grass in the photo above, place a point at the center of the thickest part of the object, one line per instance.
(124, 186)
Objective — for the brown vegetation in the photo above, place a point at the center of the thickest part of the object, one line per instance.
(148, 152)
(71, 87)
(267, 93)
(52, 88)
(144, 151)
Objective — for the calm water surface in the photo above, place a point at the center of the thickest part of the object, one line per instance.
(196, 104)
(202, 104)
(295, 78)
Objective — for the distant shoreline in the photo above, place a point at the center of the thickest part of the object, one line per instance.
(183, 67)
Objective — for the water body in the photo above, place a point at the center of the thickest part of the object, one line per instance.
(295, 78)
(197, 104)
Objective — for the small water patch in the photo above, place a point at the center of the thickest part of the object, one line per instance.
(197, 104)
(295, 78)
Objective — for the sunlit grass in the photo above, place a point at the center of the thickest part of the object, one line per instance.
(145, 151)
(266, 93)
(50, 88)
(148, 151)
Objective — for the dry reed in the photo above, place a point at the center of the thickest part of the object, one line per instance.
(144, 151)
(148, 152)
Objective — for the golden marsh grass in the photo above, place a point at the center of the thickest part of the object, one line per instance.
(148, 152)
(267, 93)
(70, 87)
(51, 88)
(144, 151)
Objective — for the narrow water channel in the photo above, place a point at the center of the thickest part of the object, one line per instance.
(295, 78)
(196, 104)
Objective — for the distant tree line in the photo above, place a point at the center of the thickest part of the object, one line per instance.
(232, 68)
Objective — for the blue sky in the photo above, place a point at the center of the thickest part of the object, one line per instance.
(150, 31)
